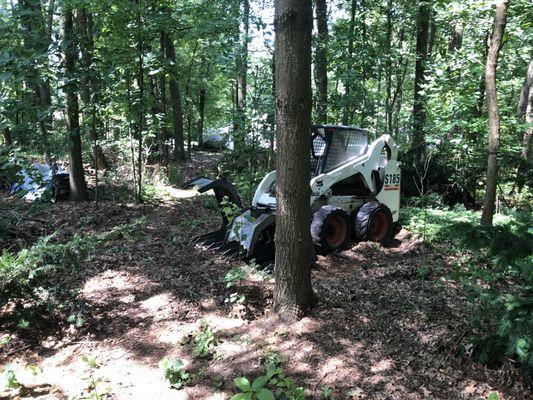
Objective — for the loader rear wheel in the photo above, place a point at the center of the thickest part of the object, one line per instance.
(373, 222)
(330, 229)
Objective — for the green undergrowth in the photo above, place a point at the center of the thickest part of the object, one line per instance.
(495, 266)
(39, 276)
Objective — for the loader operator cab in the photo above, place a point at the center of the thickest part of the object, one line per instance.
(333, 146)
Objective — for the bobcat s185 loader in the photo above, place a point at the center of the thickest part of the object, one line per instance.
(355, 195)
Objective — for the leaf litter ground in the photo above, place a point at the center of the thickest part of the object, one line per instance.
(390, 325)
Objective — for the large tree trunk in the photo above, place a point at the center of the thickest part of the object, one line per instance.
(348, 79)
(78, 190)
(321, 61)
(175, 100)
(241, 62)
(495, 45)
(293, 294)
(419, 112)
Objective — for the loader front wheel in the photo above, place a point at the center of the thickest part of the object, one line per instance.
(373, 222)
(330, 229)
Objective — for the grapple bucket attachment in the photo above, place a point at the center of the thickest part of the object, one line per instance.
(249, 236)
(222, 188)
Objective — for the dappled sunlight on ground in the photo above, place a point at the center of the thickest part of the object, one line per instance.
(382, 330)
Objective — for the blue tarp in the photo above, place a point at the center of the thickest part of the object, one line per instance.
(36, 181)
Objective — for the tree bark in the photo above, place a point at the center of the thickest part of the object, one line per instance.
(456, 37)
(363, 63)
(419, 112)
(175, 99)
(201, 112)
(8, 137)
(37, 41)
(142, 103)
(347, 80)
(525, 114)
(388, 70)
(524, 93)
(481, 98)
(527, 154)
(454, 45)
(88, 85)
(163, 138)
(495, 44)
(293, 294)
(241, 61)
(321, 61)
(78, 190)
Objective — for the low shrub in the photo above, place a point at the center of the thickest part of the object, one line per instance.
(494, 266)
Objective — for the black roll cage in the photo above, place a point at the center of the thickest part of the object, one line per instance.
(328, 132)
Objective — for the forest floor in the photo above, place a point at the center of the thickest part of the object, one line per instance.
(390, 324)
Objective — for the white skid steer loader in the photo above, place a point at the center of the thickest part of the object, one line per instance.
(355, 195)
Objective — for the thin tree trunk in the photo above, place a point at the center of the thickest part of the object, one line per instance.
(201, 112)
(241, 89)
(88, 95)
(293, 294)
(525, 113)
(78, 190)
(495, 45)
(175, 100)
(524, 93)
(456, 38)
(527, 154)
(141, 116)
(363, 62)
(419, 112)
(130, 133)
(388, 70)
(481, 98)
(163, 138)
(8, 137)
(454, 45)
(156, 111)
(321, 61)
(37, 42)
(349, 58)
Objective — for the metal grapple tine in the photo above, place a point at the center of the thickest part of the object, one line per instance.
(232, 251)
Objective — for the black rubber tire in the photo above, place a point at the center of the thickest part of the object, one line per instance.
(367, 217)
(321, 229)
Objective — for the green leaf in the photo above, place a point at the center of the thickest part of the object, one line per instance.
(493, 396)
(242, 396)
(242, 383)
(265, 394)
(260, 382)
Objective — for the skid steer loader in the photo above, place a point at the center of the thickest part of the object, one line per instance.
(355, 195)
